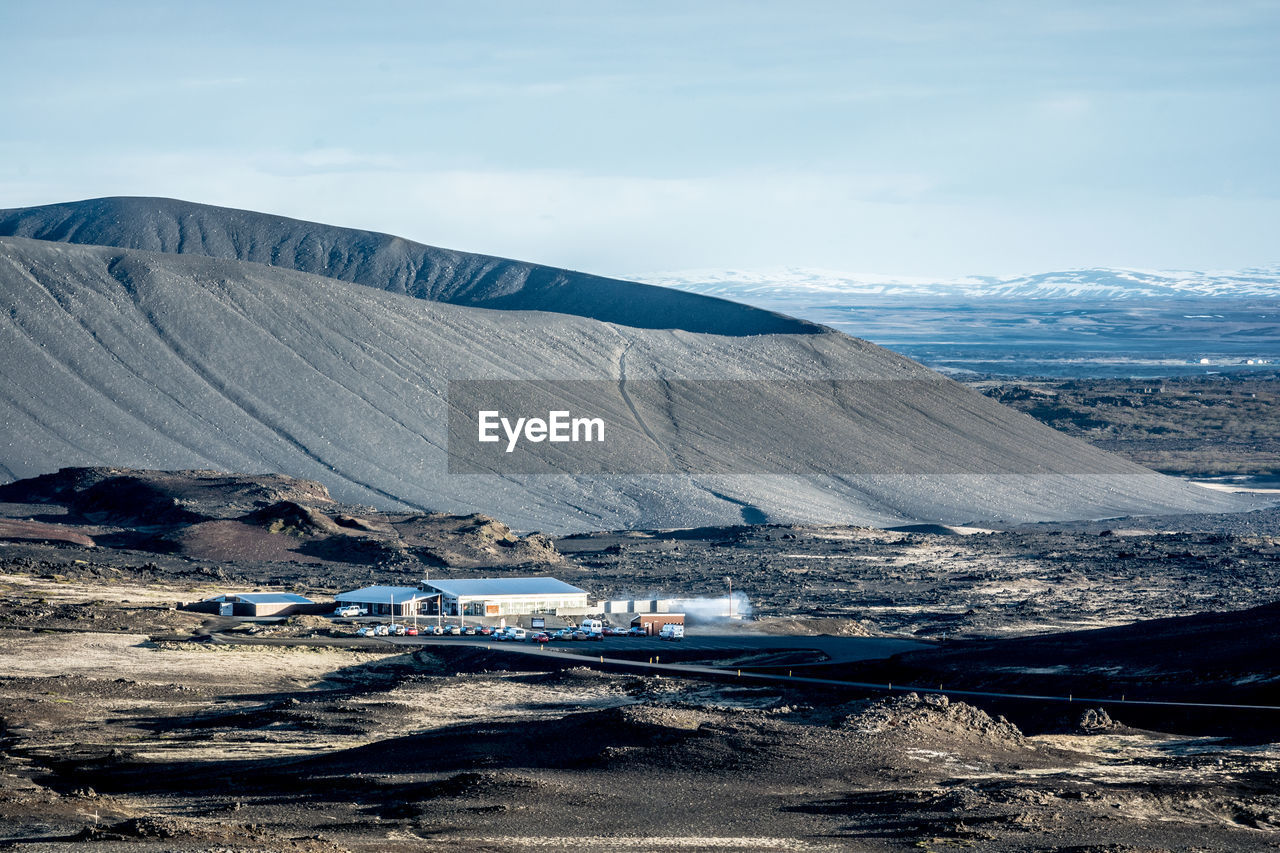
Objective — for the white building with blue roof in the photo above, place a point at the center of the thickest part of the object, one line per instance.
(471, 597)
(388, 600)
(508, 596)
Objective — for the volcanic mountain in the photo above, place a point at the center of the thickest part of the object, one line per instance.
(385, 262)
(152, 333)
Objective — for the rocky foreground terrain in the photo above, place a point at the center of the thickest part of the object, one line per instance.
(130, 724)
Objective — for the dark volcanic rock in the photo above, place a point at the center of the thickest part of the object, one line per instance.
(200, 515)
(932, 716)
(161, 497)
(1096, 719)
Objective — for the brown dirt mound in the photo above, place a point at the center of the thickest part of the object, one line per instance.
(230, 541)
(41, 532)
(294, 519)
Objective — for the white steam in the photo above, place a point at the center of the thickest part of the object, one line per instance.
(704, 610)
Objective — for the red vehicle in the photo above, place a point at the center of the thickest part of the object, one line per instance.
(411, 632)
(542, 637)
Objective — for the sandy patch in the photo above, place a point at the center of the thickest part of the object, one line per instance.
(1234, 489)
(133, 656)
(69, 591)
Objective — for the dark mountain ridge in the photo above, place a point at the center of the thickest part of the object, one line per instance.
(385, 262)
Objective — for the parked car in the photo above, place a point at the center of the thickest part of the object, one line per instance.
(382, 631)
(485, 630)
(398, 630)
(349, 611)
(411, 632)
(637, 632)
(367, 631)
(671, 632)
(541, 637)
(433, 629)
(452, 630)
(469, 631)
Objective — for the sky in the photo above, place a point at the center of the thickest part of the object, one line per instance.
(941, 138)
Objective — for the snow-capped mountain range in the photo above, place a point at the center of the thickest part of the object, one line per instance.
(1082, 284)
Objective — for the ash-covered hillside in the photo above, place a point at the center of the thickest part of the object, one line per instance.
(165, 360)
(384, 262)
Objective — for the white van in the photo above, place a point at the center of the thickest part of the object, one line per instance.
(520, 635)
(592, 626)
(671, 632)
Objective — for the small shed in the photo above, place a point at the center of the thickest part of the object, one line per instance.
(652, 622)
(269, 603)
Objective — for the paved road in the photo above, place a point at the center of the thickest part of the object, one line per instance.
(849, 648)
(836, 649)
(869, 649)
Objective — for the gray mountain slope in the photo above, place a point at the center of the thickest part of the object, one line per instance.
(129, 358)
(385, 262)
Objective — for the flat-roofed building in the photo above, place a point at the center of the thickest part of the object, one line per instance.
(652, 623)
(507, 596)
(389, 600)
(255, 604)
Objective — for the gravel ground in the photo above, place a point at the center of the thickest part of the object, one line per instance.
(124, 725)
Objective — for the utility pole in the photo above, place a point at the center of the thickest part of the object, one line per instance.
(426, 582)
(729, 581)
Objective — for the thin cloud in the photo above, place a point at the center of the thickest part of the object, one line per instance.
(1064, 107)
